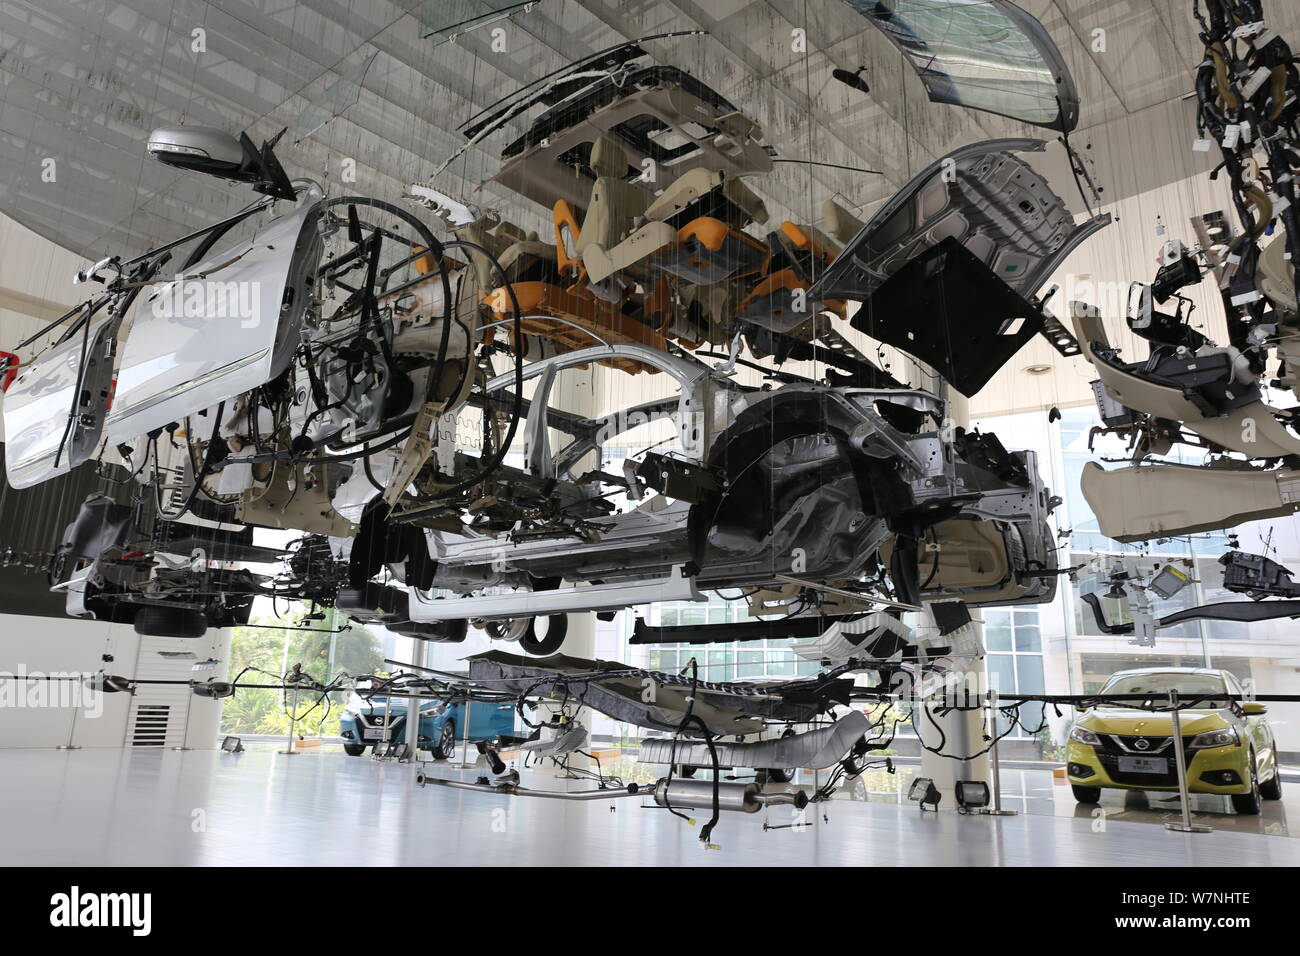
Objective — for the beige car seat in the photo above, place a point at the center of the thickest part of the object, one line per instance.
(616, 204)
(840, 223)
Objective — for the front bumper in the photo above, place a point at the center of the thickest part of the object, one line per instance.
(1223, 770)
(354, 730)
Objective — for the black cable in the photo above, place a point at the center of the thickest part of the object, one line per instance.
(499, 455)
(200, 475)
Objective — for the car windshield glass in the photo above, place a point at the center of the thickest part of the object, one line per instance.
(1189, 686)
(986, 54)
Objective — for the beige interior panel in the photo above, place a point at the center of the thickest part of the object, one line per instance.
(615, 206)
(840, 223)
(650, 238)
(1271, 438)
(1088, 328)
(1161, 401)
(683, 191)
(1136, 503)
(972, 556)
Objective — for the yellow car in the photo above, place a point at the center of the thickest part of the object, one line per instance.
(1229, 746)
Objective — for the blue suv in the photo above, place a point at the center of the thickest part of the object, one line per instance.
(442, 724)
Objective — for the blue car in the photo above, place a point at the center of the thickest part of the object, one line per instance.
(442, 724)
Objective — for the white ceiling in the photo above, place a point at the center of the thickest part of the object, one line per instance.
(84, 81)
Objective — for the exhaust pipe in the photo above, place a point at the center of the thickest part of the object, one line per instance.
(738, 797)
(679, 792)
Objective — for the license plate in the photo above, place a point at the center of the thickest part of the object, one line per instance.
(373, 733)
(1144, 765)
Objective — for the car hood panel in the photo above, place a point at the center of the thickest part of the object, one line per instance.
(1145, 723)
(1002, 213)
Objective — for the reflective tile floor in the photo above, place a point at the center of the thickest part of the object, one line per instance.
(140, 807)
(1037, 792)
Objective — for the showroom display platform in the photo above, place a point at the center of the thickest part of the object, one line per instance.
(163, 808)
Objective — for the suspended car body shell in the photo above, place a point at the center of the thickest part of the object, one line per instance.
(1002, 212)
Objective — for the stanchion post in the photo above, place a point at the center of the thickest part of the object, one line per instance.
(386, 737)
(185, 728)
(464, 754)
(412, 728)
(1180, 763)
(71, 732)
(293, 724)
(994, 770)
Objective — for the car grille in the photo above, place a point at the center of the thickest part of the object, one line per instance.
(1114, 746)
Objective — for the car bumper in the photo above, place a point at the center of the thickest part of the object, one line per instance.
(1223, 770)
(352, 731)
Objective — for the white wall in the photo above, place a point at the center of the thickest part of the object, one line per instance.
(40, 645)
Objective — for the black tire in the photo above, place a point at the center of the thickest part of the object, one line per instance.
(159, 620)
(557, 627)
(1272, 790)
(445, 748)
(1247, 804)
(683, 770)
(354, 750)
(1086, 794)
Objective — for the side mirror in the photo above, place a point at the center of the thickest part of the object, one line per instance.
(217, 153)
(1253, 708)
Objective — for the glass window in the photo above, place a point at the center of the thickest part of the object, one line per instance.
(719, 666)
(1002, 673)
(693, 615)
(1029, 674)
(984, 54)
(1028, 638)
(998, 638)
(782, 666)
(1187, 685)
(749, 663)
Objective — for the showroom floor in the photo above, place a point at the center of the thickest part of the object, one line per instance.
(149, 807)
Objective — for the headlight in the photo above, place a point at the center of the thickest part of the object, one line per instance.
(1084, 736)
(1215, 738)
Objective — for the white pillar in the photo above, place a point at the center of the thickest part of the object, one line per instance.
(960, 731)
(956, 732)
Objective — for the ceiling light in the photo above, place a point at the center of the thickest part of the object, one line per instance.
(1037, 369)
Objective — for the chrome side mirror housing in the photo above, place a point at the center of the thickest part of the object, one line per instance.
(217, 153)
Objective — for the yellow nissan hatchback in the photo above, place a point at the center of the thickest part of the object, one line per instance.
(1229, 746)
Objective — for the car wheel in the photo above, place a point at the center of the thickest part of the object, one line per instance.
(354, 750)
(159, 620)
(1247, 804)
(1086, 794)
(446, 746)
(1273, 789)
(683, 770)
(557, 626)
